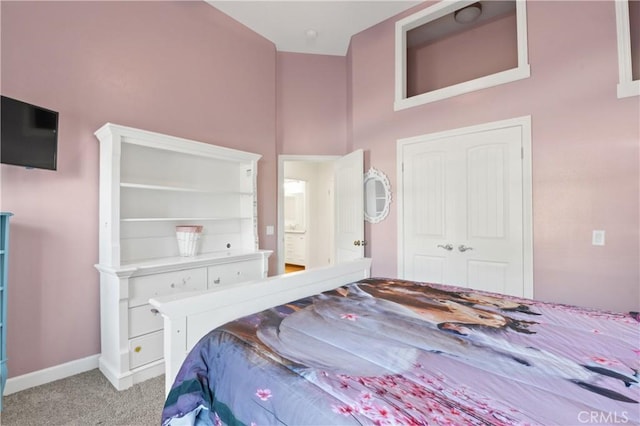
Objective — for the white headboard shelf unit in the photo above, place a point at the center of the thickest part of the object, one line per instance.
(149, 184)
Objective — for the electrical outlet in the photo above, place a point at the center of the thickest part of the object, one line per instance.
(597, 238)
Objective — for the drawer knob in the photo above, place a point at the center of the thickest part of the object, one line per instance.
(154, 311)
(137, 349)
(216, 281)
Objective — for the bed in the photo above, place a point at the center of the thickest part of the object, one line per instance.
(338, 347)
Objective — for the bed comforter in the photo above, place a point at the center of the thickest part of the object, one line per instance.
(384, 351)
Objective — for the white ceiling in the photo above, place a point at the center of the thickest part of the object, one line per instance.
(286, 23)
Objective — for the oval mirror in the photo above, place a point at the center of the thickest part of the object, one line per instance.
(377, 196)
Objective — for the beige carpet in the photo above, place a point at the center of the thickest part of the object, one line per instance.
(85, 399)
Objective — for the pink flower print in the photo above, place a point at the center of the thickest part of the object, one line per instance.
(365, 407)
(264, 394)
(605, 361)
(599, 359)
(383, 412)
(345, 410)
(350, 317)
(636, 351)
(365, 396)
(595, 331)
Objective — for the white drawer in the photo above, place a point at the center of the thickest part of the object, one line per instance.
(145, 349)
(230, 273)
(142, 320)
(141, 289)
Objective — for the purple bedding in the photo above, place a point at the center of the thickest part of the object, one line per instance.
(384, 351)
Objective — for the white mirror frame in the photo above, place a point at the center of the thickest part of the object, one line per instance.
(378, 176)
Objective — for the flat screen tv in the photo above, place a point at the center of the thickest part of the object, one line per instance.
(29, 135)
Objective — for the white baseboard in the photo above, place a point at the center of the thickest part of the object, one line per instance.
(57, 372)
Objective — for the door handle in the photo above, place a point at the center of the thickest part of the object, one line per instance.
(448, 247)
(464, 248)
(359, 243)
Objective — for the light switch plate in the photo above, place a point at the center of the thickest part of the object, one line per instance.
(598, 237)
(269, 229)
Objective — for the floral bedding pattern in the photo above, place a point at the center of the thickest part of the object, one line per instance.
(395, 352)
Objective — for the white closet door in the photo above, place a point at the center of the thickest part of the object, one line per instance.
(349, 219)
(463, 214)
(428, 223)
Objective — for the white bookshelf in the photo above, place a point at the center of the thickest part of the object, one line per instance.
(149, 184)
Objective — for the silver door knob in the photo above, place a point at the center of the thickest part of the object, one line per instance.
(448, 247)
(464, 248)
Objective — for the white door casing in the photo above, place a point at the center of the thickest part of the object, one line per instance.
(349, 204)
(351, 222)
(468, 187)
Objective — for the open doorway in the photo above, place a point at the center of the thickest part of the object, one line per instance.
(295, 222)
(305, 211)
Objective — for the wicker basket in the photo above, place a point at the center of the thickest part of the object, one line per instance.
(188, 237)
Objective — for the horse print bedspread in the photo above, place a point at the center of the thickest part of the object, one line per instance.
(383, 351)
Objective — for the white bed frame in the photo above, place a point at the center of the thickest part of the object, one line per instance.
(190, 316)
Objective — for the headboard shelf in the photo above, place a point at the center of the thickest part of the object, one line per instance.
(151, 183)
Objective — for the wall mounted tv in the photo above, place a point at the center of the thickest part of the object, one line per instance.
(28, 135)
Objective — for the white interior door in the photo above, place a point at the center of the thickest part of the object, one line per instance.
(349, 204)
(321, 171)
(463, 212)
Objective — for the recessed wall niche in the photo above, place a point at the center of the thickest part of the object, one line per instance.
(634, 27)
(458, 47)
(628, 26)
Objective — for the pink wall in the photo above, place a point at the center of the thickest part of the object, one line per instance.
(586, 146)
(180, 68)
(312, 104)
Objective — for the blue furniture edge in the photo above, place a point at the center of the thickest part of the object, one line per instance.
(4, 268)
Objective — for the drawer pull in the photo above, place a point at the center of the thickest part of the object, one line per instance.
(183, 284)
(137, 349)
(154, 311)
(216, 281)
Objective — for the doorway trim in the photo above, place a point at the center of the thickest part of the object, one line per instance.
(282, 158)
(524, 123)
